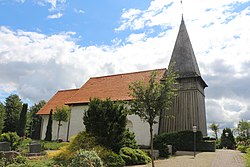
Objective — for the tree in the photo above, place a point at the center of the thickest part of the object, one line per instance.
(151, 98)
(106, 120)
(61, 115)
(2, 116)
(22, 121)
(13, 107)
(48, 135)
(34, 125)
(227, 139)
(215, 128)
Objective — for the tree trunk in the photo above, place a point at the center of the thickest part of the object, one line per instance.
(59, 124)
(216, 135)
(151, 144)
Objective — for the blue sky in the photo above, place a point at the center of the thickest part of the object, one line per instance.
(50, 45)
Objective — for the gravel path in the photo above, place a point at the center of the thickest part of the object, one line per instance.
(220, 158)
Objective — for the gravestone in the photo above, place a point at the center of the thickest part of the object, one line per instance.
(35, 147)
(4, 146)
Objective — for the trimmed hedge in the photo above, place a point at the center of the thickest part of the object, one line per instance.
(182, 141)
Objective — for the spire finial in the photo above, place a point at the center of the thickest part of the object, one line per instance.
(181, 10)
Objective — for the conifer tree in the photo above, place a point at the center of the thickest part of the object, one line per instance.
(22, 121)
(106, 120)
(48, 135)
(13, 107)
(2, 117)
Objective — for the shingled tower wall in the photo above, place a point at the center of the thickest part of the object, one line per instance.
(188, 107)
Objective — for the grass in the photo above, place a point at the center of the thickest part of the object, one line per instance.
(52, 145)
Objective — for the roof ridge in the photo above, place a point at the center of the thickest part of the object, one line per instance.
(127, 73)
(65, 90)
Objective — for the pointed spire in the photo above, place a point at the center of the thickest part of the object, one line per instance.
(183, 60)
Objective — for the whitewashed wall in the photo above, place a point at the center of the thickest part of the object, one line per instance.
(63, 129)
(135, 124)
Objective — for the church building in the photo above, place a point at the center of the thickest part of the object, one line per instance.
(188, 108)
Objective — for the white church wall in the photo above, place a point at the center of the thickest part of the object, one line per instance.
(135, 124)
(62, 132)
(141, 129)
(76, 120)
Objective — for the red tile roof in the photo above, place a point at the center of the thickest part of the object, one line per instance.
(115, 87)
(58, 100)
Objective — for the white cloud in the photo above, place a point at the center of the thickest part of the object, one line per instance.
(20, 1)
(55, 16)
(38, 65)
(79, 11)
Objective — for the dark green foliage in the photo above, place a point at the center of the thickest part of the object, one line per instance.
(227, 139)
(13, 107)
(61, 115)
(109, 158)
(48, 135)
(106, 120)
(182, 141)
(86, 159)
(134, 156)
(129, 139)
(12, 138)
(161, 141)
(242, 149)
(2, 116)
(36, 120)
(22, 121)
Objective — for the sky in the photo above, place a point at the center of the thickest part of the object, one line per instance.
(51, 45)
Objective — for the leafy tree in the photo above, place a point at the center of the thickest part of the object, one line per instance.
(48, 135)
(35, 120)
(61, 115)
(215, 128)
(2, 116)
(151, 98)
(227, 139)
(22, 121)
(106, 120)
(13, 107)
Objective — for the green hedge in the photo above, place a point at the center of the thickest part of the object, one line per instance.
(182, 141)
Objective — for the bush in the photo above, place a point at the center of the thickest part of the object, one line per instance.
(183, 140)
(24, 145)
(109, 158)
(129, 140)
(86, 159)
(134, 156)
(161, 141)
(12, 138)
(82, 140)
(242, 149)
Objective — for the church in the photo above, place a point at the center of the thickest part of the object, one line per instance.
(188, 108)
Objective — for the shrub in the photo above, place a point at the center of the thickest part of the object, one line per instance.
(12, 138)
(134, 156)
(129, 140)
(86, 159)
(161, 141)
(109, 158)
(242, 149)
(24, 145)
(82, 140)
(106, 120)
